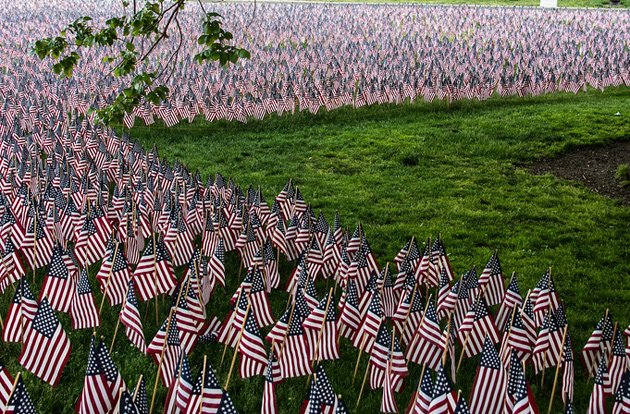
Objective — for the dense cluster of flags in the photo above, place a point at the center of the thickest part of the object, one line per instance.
(73, 195)
(311, 56)
(83, 196)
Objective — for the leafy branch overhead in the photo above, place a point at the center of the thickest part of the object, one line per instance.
(131, 39)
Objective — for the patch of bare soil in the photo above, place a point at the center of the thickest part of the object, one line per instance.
(595, 166)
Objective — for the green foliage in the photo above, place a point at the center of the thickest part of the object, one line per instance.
(623, 175)
(151, 23)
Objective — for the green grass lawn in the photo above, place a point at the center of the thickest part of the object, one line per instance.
(402, 171)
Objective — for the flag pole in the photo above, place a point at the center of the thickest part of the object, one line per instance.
(555, 379)
(17, 378)
(118, 322)
(135, 393)
(155, 278)
(109, 278)
(356, 367)
(321, 330)
(448, 338)
(461, 357)
(319, 337)
(203, 384)
(238, 342)
(35, 242)
(157, 375)
(284, 337)
(542, 379)
(226, 344)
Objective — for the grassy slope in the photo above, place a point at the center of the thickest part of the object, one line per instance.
(409, 170)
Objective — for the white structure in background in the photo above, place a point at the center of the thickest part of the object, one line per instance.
(548, 3)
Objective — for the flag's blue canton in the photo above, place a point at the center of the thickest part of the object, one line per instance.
(45, 321)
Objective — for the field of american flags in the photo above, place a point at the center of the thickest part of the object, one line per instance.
(311, 57)
(453, 170)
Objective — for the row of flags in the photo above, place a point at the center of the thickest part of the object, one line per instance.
(310, 57)
(91, 198)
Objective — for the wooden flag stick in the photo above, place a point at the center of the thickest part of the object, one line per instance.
(321, 330)
(135, 392)
(157, 376)
(356, 366)
(542, 379)
(555, 379)
(109, 277)
(284, 337)
(461, 357)
(367, 369)
(447, 339)
(157, 321)
(238, 342)
(319, 337)
(203, 384)
(226, 344)
(17, 377)
(35, 244)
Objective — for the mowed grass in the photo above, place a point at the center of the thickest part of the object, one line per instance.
(403, 171)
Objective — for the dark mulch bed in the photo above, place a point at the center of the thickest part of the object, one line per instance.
(594, 166)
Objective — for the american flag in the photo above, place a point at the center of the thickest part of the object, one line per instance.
(11, 269)
(568, 373)
(226, 406)
(622, 396)
(126, 405)
(516, 338)
(180, 391)
(489, 383)
(544, 296)
(130, 318)
(387, 358)
(154, 274)
(46, 347)
(251, 348)
(6, 385)
(83, 309)
(477, 325)
(443, 400)
(511, 299)
(114, 275)
(272, 376)
(216, 270)
(426, 273)
(321, 330)
(165, 349)
(21, 312)
(421, 399)
(492, 280)
(594, 347)
(102, 382)
(20, 401)
(597, 402)
(427, 345)
(295, 354)
(59, 282)
(370, 323)
(517, 398)
(258, 297)
(388, 402)
(618, 363)
(207, 394)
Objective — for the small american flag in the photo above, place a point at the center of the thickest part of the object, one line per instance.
(46, 348)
